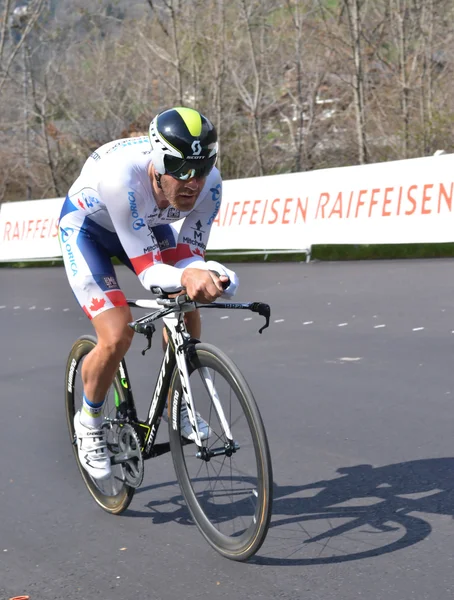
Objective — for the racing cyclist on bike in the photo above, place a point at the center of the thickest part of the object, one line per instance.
(123, 204)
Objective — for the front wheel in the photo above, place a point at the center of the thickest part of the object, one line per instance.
(227, 484)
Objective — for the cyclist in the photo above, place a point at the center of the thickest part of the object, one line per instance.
(123, 204)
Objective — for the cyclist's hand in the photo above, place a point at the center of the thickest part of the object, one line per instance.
(201, 285)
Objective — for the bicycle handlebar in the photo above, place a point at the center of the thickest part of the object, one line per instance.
(182, 301)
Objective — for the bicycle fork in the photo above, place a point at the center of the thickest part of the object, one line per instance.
(230, 447)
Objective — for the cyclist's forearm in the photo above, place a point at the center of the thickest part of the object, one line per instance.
(164, 276)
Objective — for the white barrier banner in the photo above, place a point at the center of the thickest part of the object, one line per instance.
(409, 201)
(29, 230)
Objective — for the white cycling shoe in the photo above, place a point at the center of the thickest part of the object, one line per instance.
(92, 449)
(186, 427)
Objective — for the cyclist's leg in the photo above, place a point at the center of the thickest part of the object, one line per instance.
(92, 278)
(101, 364)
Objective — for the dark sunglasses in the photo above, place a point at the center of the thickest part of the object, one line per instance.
(183, 169)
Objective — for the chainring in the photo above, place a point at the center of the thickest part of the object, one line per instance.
(129, 442)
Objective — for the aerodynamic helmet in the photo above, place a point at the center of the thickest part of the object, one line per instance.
(183, 143)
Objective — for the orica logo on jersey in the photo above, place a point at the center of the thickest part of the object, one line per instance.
(215, 197)
(66, 233)
(138, 221)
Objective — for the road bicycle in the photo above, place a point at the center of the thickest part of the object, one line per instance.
(226, 479)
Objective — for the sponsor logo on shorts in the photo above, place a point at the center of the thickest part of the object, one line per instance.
(110, 282)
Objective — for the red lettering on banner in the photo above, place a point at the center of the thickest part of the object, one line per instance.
(322, 206)
(233, 211)
(349, 205)
(425, 199)
(244, 211)
(254, 211)
(302, 209)
(412, 200)
(373, 201)
(37, 222)
(16, 234)
(217, 218)
(360, 202)
(399, 202)
(285, 221)
(7, 230)
(44, 228)
(276, 214)
(386, 201)
(31, 229)
(445, 196)
(264, 212)
(337, 208)
(269, 212)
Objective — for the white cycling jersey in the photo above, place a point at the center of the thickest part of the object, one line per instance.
(110, 211)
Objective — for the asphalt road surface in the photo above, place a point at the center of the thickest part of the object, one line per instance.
(354, 379)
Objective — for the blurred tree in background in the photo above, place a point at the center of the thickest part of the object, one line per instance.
(291, 85)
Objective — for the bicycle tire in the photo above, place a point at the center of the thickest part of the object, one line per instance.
(119, 502)
(238, 545)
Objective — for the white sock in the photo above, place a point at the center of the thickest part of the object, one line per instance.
(91, 413)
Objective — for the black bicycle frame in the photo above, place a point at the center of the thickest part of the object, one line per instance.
(148, 429)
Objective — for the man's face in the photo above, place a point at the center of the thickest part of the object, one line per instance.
(182, 194)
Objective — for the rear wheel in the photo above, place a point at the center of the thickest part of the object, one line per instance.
(114, 494)
(227, 484)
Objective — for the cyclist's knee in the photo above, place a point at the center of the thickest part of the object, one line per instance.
(114, 334)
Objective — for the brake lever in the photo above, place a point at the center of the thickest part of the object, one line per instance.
(263, 310)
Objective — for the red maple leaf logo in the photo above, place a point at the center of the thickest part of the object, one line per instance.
(198, 252)
(96, 304)
(157, 257)
(81, 204)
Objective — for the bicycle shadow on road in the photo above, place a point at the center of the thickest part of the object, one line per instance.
(367, 511)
